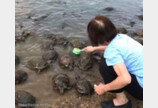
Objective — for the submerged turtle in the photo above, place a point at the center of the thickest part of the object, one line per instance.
(83, 87)
(17, 60)
(20, 76)
(24, 99)
(50, 56)
(48, 45)
(66, 62)
(61, 82)
(79, 43)
(85, 61)
(37, 64)
(62, 41)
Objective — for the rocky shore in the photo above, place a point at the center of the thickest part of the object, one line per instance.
(49, 75)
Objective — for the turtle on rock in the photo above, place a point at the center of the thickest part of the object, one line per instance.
(66, 61)
(61, 83)
(50, 56)
(83, 86)
(20, 76)
(24, 99)
(37, 64)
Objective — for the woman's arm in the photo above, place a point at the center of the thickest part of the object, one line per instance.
(123, 79)
(96, 48)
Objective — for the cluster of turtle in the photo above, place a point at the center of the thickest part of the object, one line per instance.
(60, 82)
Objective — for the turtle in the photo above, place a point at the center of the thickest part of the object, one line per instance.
(50, 56)
(62, 41)
(20, 76)
(17, 60)
(85, 61)
(37, 64)
(24, 99)
(66, 61)
(61, 82)
(48, 45)
(79, 43)
(83, 86)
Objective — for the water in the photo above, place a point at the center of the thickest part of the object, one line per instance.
(66, 18)
(70, 17)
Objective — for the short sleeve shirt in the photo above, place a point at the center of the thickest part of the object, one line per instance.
(125, 49)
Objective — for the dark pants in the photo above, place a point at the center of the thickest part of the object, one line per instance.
(108, 74)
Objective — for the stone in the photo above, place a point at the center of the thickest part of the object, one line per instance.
(140, 17)
(122, 30)
(109, 9)
(17, 60)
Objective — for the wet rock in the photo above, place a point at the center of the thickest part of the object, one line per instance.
(61, 83)
(62, 41)
(109, 9)
(41, 17)
(78, 43)
(66, 61)
(50, 56)
(85, 61)
(140, 17)
(83, 87)
(132, 23)
(17, 60)
(23, 36)
(37, 64)
(138, 39)
(64, 25)
(24, 99)
(20, 76)
(48, 45)
(51, 37)
(19, 38)
(138, 33)
(122, 30)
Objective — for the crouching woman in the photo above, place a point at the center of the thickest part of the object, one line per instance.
(122, 64)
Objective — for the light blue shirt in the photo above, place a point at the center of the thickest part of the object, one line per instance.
(125, 49)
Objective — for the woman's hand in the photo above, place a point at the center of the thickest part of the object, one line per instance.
(89, 49)
(100, 89)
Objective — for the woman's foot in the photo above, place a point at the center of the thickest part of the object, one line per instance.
(110, 104)
(120, 101)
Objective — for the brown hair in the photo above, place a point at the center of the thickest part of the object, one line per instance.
(101, 30)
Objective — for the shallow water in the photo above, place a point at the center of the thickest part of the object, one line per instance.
(70, 17)
(66, 18)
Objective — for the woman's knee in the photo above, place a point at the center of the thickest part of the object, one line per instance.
(107, 72)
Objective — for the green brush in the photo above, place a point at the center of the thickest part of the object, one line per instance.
(77, 51)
